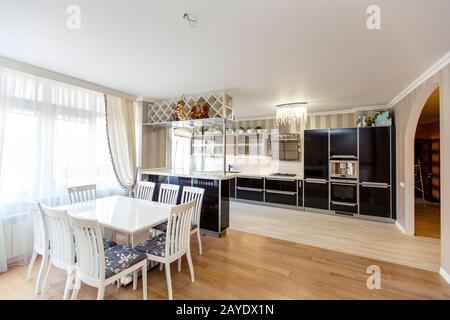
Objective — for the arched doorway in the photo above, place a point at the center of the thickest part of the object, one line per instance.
(427, 170)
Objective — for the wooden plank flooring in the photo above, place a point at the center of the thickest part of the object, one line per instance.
(370, 239)
(248, 266)
(427, 220)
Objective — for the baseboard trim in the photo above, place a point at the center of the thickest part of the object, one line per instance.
(444, 274)
(400, 227)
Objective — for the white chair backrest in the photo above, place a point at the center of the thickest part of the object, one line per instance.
(145, 190)
(62, 249)
(168, 193)
(89, 248)
(192, 193)
(82, 193)
(40, 231)
(179, 228)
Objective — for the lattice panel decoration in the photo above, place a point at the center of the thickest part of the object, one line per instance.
(220, 106)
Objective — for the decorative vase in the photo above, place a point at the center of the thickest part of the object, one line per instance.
(179, 109)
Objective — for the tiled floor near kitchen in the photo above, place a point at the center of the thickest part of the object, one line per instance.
(248, 266)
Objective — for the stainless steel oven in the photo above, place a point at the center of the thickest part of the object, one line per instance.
(344, 169)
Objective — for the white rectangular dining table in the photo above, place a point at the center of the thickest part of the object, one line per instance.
(128, 216)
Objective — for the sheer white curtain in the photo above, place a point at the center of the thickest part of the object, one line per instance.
(52, 136)
(120, 116)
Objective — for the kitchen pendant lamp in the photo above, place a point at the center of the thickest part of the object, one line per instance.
(292, 113)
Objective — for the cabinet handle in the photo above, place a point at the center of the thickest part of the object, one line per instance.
(318, 181)
(280, 179)
(282, 192)
(249, 189)
(344, 204)
(343, 157)
(374, 185)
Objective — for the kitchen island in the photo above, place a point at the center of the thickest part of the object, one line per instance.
(215, 215)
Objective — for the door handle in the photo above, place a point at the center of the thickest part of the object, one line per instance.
(344, 204)
(318, 181)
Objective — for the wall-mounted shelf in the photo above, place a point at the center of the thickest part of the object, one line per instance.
(159, 112)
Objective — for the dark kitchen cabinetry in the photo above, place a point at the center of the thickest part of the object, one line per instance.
(375, 201)
(157, 179)
(375, 154)
(316, 194)
(233, 188)
(316, 154)
(344, 143)
(250, 188)
(281, 191)
(215, 207)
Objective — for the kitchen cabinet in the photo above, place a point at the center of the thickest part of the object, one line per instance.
(250, 182)
(281, 191)
(250, 188)
(375, 200)
(344, 143)
(375, 155)
(316, 194)
(316, 154)
(233, 188)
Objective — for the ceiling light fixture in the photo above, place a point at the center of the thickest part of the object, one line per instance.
(292, 113)
(191, 19)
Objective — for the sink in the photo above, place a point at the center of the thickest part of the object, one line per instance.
(233, 171)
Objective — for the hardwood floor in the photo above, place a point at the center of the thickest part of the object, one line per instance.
(370, 239)
(428, 220)
(248, 266)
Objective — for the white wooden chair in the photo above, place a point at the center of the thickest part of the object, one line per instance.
(99, 268)
(189, 194)
(82, 193)
(145, 190)
(41, 243)
(168, 193)
(62, 249)
(172, 245)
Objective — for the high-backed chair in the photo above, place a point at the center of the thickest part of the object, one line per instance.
(62, 249)
(145, 190)
(82, 193)
(189, 194)
(172, 245)
(41, 243)
(168, 193)
(97, 267)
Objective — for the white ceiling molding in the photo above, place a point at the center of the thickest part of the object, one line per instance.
(435, 68)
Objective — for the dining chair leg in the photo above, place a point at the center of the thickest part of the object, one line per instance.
(118, 283)
(76, 287)
(191, 266)
(30, 266)
(135, 278)
(160, 266)
(144, 281)
(169, 281)
(44, 285)
(179, 264)
(40, 277)
(199, 239)
(68, 284)
(101, 292)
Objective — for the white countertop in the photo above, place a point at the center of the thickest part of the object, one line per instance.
(213, 175)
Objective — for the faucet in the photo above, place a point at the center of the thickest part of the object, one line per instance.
(229, 167)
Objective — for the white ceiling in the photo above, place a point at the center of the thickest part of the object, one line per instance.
(262, 52)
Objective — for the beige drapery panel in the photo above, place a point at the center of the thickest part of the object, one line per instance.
(120, 126)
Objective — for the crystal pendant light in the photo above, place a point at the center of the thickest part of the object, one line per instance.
(292, 113)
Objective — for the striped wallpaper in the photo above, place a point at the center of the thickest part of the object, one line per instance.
(344, 120)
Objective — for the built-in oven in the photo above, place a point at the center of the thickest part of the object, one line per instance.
(344, 169)
(344, 196)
